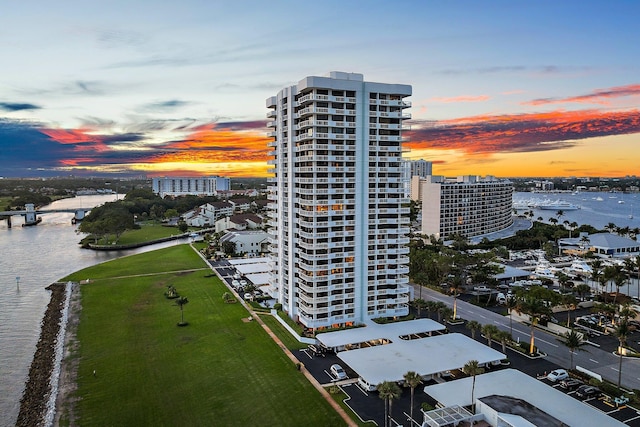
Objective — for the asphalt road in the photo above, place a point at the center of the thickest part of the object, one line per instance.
(594, 359)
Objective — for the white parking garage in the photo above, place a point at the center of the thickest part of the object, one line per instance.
(429, 357)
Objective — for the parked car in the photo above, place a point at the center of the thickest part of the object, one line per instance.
(337, 372)
(316, 350)
(248, 296)
(243, 282)
(235, 283)
(585, 391)
(570, 383)
(557, 375)
(481, 288)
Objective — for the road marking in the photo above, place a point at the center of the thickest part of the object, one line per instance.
(550, 343)
(631, 419)
(484, 317)
(471, 312)
(611, 367)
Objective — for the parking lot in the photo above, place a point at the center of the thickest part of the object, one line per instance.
(625, 414)
(369, 407)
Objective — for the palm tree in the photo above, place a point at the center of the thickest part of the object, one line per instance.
(584, 242)
(412, 379)
(573, 341)
(570, 302)
(473, 326)
(553, 221)
(439, 307)
(596, 271)
(511, 304)
(572, 226)
(582, 289)
(535, 308)
(388, 391)
(503, 337)
(626, 312)
(431, 306)
(560, 213)
(181, 302)
(472, 368)
(610, 227)
(621, 332)
(490, 331)
(619, 279)
(419, 304)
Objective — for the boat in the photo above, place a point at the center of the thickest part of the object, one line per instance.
(620, 202)
(598, 199)
(557, 205)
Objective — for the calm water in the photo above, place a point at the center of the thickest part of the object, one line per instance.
(593, 211)
(596, 209)
(39, 256)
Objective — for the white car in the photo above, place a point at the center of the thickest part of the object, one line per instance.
(248, 297)
(337, 372)
(235, 283)
(243, 282)
(557, 375)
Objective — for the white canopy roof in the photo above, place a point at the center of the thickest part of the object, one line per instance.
(239, 261)
(261, 267)
(513, 383)
(373, 331)
(258, 278)
(426, 356)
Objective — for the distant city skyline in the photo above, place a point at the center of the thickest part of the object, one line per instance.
(511, 89)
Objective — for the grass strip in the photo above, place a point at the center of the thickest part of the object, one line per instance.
(218, 370)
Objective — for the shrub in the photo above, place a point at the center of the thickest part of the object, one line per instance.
(334, 389)
(610, 389)
(277, 306)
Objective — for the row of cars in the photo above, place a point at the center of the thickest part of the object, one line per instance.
(582, 390)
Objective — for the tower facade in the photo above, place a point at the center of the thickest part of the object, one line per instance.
(337, 222)
(467, 205)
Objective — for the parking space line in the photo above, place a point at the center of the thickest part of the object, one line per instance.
(631, 419)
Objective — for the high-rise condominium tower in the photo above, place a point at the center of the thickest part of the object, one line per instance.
(337, 221)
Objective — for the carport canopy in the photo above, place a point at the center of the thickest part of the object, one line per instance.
(426, 356)
(373, 331)
(446, 416)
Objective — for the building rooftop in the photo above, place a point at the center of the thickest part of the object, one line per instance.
(517, 385)
(373, 331)
(426, 356)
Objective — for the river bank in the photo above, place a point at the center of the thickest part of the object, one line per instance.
(38, 389)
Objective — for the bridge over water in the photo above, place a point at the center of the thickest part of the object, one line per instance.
(31, 214)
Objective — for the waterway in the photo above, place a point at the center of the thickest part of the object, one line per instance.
(596, 209)
(32, 258)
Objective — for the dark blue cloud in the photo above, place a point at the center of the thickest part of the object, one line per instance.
(17, 106)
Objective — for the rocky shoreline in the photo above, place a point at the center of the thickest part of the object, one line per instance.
(33, 405)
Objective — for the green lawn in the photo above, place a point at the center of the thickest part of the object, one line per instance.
(218, 370)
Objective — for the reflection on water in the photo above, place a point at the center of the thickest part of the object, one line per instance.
(31, 259)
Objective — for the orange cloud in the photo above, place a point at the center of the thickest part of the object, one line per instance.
(487, 134)
(209, 144)
(598, 96)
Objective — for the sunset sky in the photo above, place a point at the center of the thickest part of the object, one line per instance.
(505, 88)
